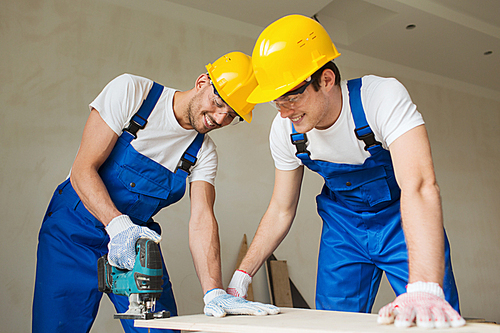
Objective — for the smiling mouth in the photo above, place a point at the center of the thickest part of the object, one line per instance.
(209, 123)
(296, 119)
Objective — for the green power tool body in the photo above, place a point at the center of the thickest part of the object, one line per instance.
(142, 285)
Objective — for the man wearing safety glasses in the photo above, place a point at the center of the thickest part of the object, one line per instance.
(380, 204)
(140, 144)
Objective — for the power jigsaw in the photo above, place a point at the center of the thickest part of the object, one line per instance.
(142, 285)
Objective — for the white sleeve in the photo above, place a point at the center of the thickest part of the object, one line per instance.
(206, 165)
(120, 99)
(392, 111)
(281, 146)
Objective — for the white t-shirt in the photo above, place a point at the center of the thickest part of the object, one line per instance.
(389, 112)
(163, 139)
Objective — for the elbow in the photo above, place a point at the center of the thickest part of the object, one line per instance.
(430, 187)
(424, 188)
(73, 178)
(77, 174)
(203, 223)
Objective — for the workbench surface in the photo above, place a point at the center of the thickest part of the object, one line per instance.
(298, 320)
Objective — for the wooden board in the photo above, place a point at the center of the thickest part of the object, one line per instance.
(298, 321)
(282, 295)
(297, 300)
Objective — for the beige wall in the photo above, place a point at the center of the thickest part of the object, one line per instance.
(56, 55)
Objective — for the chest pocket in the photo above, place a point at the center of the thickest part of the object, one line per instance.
(145, 196)
(360, 189)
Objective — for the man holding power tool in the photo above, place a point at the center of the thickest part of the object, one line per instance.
(380, 204)
(140, 143)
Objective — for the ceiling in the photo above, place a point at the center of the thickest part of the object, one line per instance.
(449, 39)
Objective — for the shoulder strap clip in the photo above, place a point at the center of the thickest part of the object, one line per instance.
(300, 142)
(367, 138)
(139, 119)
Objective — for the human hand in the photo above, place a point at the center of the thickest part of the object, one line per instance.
(424, 304)
(238, 286)
(218, 303)
(123, 234)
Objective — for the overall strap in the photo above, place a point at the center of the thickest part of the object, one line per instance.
(188, 159)
(139, 119)
(300, 142)
(363, 131)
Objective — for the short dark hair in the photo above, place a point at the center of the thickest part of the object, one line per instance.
(316, 77)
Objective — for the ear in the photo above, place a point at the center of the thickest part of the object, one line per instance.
(201, 81)
(327, 79)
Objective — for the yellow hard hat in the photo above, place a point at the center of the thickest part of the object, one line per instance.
(286, 53)
(233, 78)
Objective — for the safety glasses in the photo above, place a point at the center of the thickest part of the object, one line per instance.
(294, 98)
(232, 118)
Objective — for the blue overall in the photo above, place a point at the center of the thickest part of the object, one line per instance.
(71, 239)
(362, 234)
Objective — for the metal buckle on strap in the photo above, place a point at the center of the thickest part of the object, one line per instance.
(133, 127)
(300, 142)
(185, 164)
(368, 138)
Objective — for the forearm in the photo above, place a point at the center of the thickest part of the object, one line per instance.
(204, 236)
(93, 194)
(97, 143)
(421, 212)
(277, 220)
(205, 249)
(423, 227)
(271, 231)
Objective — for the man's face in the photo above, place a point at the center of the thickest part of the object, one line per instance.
(207, 111)
(304, 106)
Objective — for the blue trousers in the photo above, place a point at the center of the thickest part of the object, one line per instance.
(356, 248)
(66, 297)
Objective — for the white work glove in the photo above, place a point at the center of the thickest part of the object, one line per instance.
(218, 303)
(422, 303)
(239, 284)
(123, 234)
